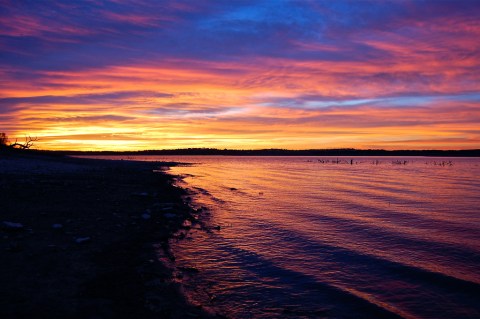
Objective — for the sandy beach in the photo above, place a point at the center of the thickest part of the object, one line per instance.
(83, 238)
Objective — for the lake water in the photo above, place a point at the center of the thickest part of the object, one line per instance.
(315, 237)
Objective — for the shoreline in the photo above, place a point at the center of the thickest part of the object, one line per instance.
(82, 238)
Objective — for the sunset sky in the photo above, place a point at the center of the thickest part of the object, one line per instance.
(133, 75)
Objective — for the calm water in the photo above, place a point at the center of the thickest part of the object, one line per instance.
(302, 237)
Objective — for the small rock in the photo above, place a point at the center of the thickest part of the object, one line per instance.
(170, 215)
(146, 216)
(181, 236)
(81, 240)
(57, 226)
(12, 226)
(143, 194)
(189, 269)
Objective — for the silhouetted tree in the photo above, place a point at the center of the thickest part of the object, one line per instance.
(4, 142)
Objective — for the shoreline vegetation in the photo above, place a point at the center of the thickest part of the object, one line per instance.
(86, 238)
(283, 152)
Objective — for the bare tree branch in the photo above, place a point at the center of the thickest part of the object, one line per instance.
(25, 145)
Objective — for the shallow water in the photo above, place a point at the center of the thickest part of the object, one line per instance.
(307, 237)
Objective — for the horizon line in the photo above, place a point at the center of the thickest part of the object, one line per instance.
(283, 150)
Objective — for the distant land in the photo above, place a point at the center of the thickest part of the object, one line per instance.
(284, 152)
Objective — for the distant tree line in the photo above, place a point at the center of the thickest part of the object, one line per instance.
(284, 152)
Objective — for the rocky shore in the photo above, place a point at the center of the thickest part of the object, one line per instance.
(82, 238)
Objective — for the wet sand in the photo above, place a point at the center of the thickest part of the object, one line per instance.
(83, 238)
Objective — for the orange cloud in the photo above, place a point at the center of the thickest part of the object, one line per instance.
(127, 78)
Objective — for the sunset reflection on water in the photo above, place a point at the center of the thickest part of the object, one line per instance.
(362, 237)
(307, 237)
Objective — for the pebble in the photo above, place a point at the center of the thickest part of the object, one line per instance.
(146, 216)
(57, 226)
(142, 194)
(81, 240)
(188, 269)
(170, 215)
(12, 226)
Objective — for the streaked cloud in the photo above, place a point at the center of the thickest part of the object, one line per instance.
(241, 74)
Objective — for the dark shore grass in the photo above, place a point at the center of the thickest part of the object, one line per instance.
(92, 232)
